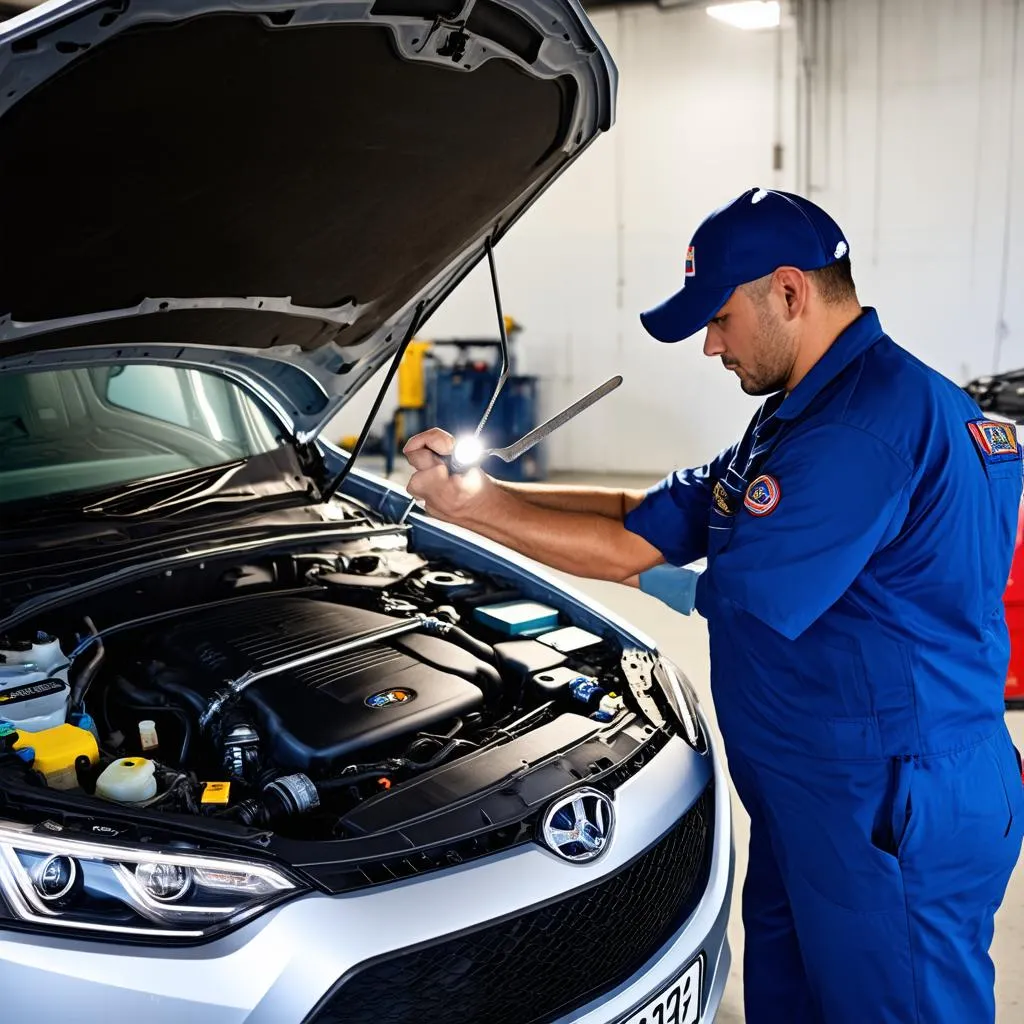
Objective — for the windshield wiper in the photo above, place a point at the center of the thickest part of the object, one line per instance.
(187, 492)
(150, 495)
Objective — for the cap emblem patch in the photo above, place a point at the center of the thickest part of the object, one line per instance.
(691, 266)
(841, 250)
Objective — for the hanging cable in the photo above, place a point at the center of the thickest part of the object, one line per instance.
(335, 484)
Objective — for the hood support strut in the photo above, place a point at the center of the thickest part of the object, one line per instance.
(505, 361)
(332, 487)
(502, 334)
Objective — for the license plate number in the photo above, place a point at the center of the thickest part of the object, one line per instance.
(679, 1003)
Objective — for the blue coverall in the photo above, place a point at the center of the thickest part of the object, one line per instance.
(859, 540)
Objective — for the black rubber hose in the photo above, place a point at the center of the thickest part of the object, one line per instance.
(442, 755)
(137, 694)
(84, 678)
(470, 643)
(165, 683)
(487, 676)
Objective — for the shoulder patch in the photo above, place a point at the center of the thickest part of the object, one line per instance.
(996, 441)
(762, 496)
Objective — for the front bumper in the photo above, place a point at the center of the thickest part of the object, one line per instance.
(277, 969)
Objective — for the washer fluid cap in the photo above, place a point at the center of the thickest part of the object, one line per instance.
(128, 781)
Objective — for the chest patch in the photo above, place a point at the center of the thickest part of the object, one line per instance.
(720, 496)
(996, 441)
(762, 496)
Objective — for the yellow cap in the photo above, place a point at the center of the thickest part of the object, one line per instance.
(216, 793)
(56, 751)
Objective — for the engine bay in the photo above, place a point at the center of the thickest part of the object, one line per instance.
(305, 693)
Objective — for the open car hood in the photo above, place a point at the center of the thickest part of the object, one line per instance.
(281, 191)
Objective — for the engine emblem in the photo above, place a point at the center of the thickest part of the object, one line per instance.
(388, 697)
(579, 826)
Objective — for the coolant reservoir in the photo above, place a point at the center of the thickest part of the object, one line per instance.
(44, 654)
(34, 690)
(128, 781)
(56, 750)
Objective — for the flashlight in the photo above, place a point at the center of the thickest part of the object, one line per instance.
(469, 450)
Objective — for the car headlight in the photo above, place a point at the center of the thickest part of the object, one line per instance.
(52, 882)
(683, 698)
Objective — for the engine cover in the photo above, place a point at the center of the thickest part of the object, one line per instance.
(321, 714)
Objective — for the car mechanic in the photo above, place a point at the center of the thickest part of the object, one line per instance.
(858, 540)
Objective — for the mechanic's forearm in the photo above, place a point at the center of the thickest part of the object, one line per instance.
(586, 544)
(601, 501)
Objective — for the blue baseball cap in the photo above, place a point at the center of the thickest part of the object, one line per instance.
(747, 239)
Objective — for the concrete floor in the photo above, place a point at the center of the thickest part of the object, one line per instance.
(684, 639)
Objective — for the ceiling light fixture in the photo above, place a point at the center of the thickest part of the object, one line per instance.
(748, 14)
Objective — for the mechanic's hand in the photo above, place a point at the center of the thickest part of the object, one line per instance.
(453, 497)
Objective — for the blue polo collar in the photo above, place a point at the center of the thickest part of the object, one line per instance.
(864, 332)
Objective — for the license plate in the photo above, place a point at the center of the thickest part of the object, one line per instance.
(679, 1003)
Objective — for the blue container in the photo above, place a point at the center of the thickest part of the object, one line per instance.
(586, 691)
(517, 618)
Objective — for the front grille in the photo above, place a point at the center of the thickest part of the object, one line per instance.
(483, 844)
(391, 869)
(539, 965)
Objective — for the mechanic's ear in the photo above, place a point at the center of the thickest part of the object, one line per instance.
(795, 289)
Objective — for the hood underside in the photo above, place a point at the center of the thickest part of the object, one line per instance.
(307, 181)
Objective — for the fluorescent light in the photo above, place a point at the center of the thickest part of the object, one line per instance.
(748, 14)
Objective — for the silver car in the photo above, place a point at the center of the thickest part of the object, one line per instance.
(275, 746)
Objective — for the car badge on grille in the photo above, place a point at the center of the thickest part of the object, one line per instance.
(578, 826)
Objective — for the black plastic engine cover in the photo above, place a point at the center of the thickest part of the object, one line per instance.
(322, 714)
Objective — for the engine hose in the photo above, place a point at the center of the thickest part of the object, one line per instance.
(137, 694)
(84, 679)
(442, 755)
(166, 685)
(487, 676)
(470, 643)
(435, 738)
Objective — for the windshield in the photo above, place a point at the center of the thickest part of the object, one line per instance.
(80, 430)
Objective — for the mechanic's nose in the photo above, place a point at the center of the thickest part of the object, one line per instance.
(712, 346)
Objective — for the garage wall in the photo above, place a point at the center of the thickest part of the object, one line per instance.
(918, 142)
(904, 118)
